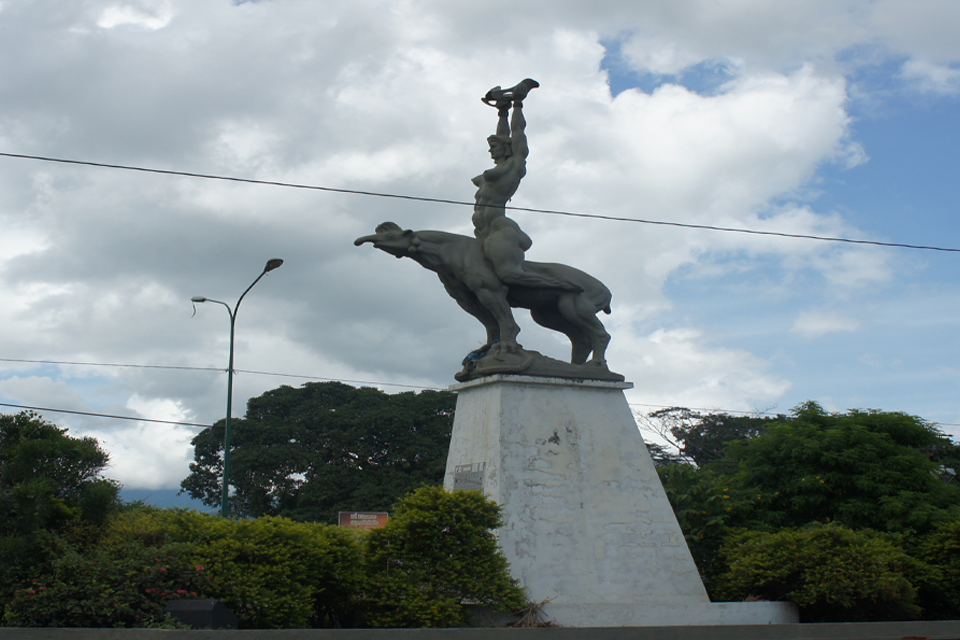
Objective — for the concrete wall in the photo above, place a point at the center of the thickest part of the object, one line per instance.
(939, 630)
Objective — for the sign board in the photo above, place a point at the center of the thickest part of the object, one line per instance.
(469, 477)
(363, 519)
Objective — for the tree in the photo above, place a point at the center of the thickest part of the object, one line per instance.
(865, 469)
(49, 483)
(703, 509)
(308, 453)
(703, 438)
(437, 553)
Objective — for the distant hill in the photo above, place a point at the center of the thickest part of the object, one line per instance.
(164, 498)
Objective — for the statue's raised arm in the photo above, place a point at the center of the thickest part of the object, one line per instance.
(509, 150)
(503, 241)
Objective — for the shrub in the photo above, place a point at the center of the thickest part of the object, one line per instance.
(121, 586)
(436, 554)
(833, 573)
(277, 573)
(940, 549)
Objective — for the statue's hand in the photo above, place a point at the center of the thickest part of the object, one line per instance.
(522, 89)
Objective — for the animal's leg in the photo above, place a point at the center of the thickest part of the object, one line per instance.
(582, 314)
(468, 302)
(550, 318)
(495, 302)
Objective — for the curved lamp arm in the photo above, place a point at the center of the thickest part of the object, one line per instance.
(225, 491)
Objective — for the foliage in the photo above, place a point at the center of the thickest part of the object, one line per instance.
(272, 572)
(833, 573)
(308, 453)
(123, 585)
(703, 509)
(49, 479)
(865, 469)
(940, 549)
(703, 438)
(661, 455)
(275, 573)
(49, 482)
(437, 553)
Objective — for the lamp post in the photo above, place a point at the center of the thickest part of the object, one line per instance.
(225, 491)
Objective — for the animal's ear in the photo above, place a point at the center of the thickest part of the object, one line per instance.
(408, 233)
(387, 226)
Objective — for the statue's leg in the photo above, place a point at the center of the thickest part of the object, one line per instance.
(578, 311)
(495, 301)
(469, 302)
(551, 318)
(504, 249)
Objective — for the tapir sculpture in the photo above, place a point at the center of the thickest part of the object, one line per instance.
(470, 279)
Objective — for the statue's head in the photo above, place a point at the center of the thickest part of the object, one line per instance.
(392, 239)
(500, 146)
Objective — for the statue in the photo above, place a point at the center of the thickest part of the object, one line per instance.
(488, 275)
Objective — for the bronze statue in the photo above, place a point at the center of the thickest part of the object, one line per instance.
(488, 275)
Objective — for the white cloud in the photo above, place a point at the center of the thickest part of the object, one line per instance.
(678, 367)
(144, 13)
(931, 77)
(813, 324)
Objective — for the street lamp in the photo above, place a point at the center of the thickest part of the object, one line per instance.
(225, 491)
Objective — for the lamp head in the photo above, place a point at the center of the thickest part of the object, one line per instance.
(198, 299)
(272, 264)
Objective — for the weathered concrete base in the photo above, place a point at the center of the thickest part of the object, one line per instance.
(587, 525)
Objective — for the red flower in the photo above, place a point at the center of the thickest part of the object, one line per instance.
(163, 568)
(199, 567)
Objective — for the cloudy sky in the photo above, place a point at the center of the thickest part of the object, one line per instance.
(811, 117)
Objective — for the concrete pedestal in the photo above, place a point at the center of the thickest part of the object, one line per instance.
(587, 523)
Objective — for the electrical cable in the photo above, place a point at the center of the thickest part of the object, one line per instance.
(182, 368)
(292, 375)
(294, 185)
(106, 415)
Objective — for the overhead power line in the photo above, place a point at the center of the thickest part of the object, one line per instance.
(594, 216)
(106, 415)
(303, 377)
(181, 368)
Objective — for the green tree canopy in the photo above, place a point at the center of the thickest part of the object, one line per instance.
(701, 438)
(308, 453)
(48, 478)
(49, 482)
(865, 469)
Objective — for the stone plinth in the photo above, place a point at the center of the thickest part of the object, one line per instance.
(587, 523)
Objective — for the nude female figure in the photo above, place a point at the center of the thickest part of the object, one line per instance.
(504, 242)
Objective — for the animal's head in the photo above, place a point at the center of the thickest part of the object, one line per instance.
(392, 239)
